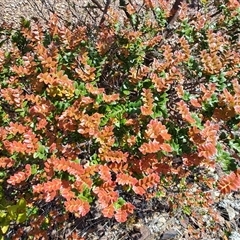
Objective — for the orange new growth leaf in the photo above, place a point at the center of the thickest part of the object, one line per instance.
(128, 207)
(125, 179)
(212, 63)
(18, 178)
(236, 87)
(149, 4)
(230, 182)
(147, 107)
(77, 206)
(228, 98)
(58, 84)
(104, 172)
(168, 54)
(233, 5)
(209, 133)
(66, 165)
(15, 128)
(180, 90)
(136, 75)
(14, 96)
(121, 215)
(139, 190)
(72, 38)
(118, 167)
(150, 147)
(75, 236)
(6, 162)
(106, 136)
(15, 146)
(110, 98)
(184, 110)
(159, 82)
(147, 182)
(208, 91)
(30, 141)
(207, 150)
(166, 147)
(75, 169)
(186, 48)
(130, 9)
(108, 211)
(53, 185)
(215, 41)
(94, 90)
(87, 74)
(153, 41)
(195, 103)
(156, 129)
(192, 159)
(89, 125)
(200, 21)
(105, 40)
(145, 164)
(146, 111)
(48, 189)
(114, 156)
(105, 197)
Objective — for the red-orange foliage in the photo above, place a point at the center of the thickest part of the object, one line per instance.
(113, 156)
(77, 206)
(6, 162)
(230, 182)
(147, 107)
(184, 110)
(85, 118)
(20, 176)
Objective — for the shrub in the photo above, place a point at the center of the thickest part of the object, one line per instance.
(128, 108)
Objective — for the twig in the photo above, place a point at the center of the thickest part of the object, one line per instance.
(104, 11)
(98, 5)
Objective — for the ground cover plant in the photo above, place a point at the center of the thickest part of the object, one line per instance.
(91, 115)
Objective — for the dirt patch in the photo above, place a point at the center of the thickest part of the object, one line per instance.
(73, 11)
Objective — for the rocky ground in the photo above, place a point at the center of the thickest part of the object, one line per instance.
(152, 219)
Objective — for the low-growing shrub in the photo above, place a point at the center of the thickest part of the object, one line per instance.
(88, 117)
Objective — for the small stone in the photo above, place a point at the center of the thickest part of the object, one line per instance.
(161, 220)
(231, 213)
(184, 222)
(234, 236)
(170, 234)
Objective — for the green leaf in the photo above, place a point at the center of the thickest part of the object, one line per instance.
(119, 203)
(34, 168)
(2, 174)
(160, 106)
(35, 155)
(187, 210)
(12, 211)
(1, 236)
(21, 205)
(126, 92)
(186, 96)
(21, 217)
(4, 226)
(99, 98)
(3, 215)
(198, 120)
(25, 23)
(225, 159)
(175, 147)
(235, 145)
